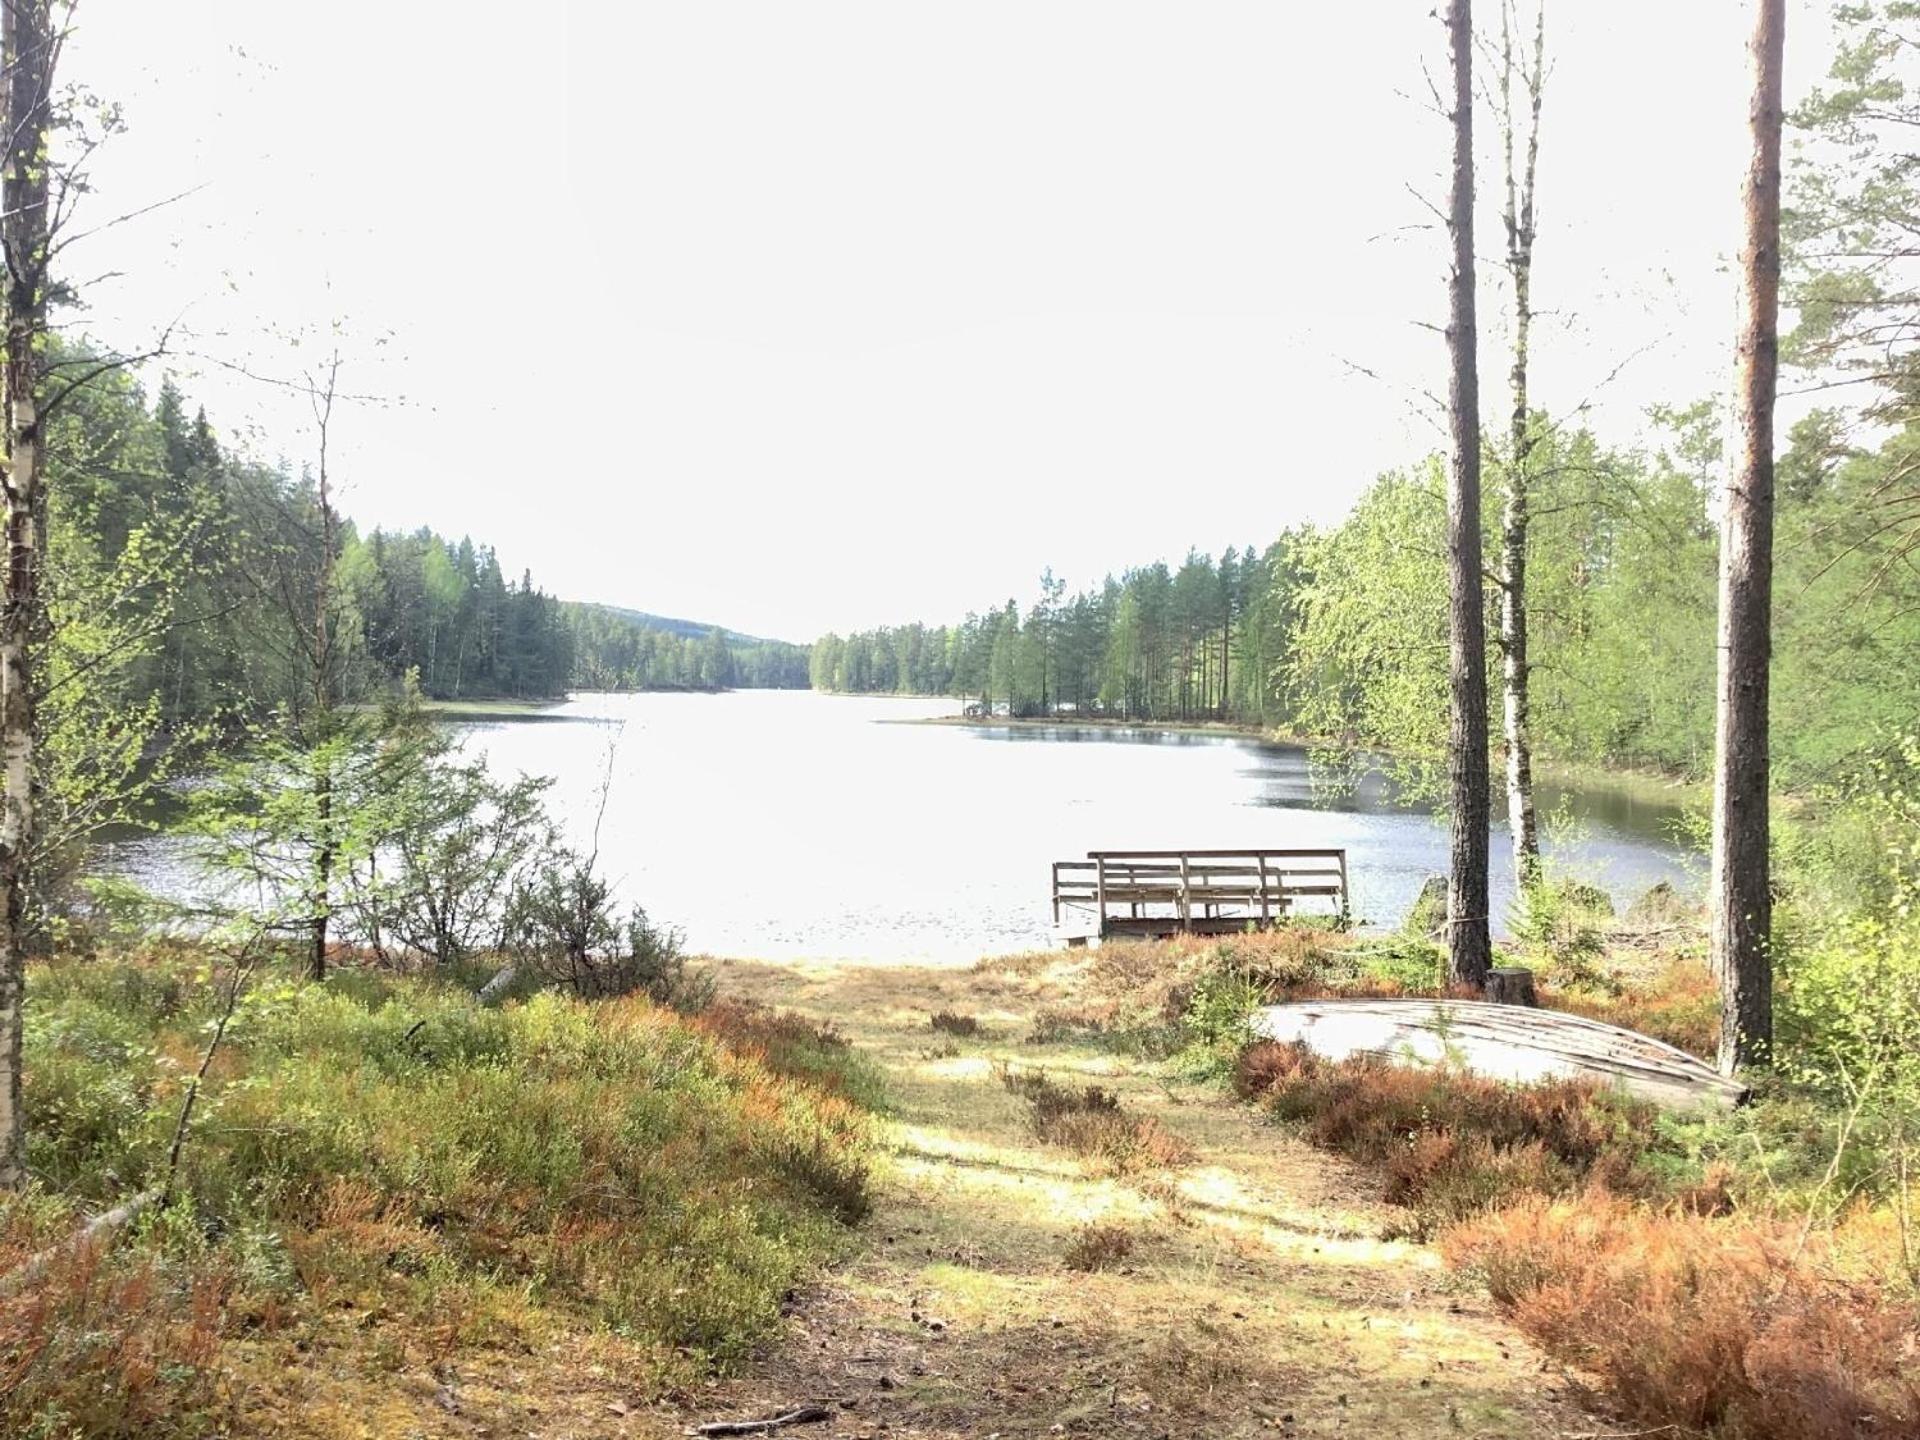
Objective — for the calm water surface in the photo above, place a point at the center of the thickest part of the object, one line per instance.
(783, 823)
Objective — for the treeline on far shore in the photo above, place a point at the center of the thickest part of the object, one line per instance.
(1341, 630)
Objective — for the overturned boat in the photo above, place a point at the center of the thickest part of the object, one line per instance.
(1500, 1042)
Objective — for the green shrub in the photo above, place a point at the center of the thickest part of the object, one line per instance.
(1427, 916)
(561, 924)
(1561, 925)
(1217, 1024)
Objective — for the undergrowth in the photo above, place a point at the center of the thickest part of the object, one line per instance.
(1747, 1275)
(462, 1175)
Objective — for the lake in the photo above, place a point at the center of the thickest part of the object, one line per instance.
(785, 823)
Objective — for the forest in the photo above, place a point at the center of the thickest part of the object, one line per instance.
(149, 510)
(1339, 633)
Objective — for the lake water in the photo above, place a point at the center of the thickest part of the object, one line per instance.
(784, 823)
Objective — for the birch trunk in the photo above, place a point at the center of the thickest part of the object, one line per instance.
(26, 50)
(321, 730)
(1741, 904)
(1469, 946)
(1516, 707)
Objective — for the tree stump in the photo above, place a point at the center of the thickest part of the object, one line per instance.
(1511, 985)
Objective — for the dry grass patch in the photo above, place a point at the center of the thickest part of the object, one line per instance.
(1098, 1247)
(1090, 1121)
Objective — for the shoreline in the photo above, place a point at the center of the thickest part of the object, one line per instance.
(1652, 784)
(1221, 729)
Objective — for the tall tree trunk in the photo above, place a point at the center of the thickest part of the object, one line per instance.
(27, 53)
(1519, 218)
(1741, 904)
(1469, 944)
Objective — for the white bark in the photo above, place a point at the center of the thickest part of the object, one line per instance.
(27, 46)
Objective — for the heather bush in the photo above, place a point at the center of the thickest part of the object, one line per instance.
(1741, 1326)
(1676, 1001)
(1446, 1144)
(107, 1345)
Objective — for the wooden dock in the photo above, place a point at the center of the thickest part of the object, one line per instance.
(1152, 893)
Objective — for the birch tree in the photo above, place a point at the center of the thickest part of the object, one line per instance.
(322, 657)
(1740, 904)
(1469, 943)
(1520, 152)
(28, 50)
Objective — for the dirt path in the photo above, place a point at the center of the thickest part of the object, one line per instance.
(1257, 1300)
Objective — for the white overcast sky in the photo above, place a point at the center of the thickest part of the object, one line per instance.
(793, 316)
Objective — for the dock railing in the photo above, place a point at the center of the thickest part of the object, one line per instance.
(1209, 892)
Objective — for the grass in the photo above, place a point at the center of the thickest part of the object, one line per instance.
(451, 1180)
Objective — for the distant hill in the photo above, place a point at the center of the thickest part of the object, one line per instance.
(687, 629)
(615, 648)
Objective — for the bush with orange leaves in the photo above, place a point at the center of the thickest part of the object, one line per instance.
(1448, 1144)
(1677, 1002)
(105, 1344)
(1733, 1326)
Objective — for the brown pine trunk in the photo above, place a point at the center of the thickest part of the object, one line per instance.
(1741, 903)
(1226, 663)
(1519, 217)
(26, 50)
(1469, 945)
